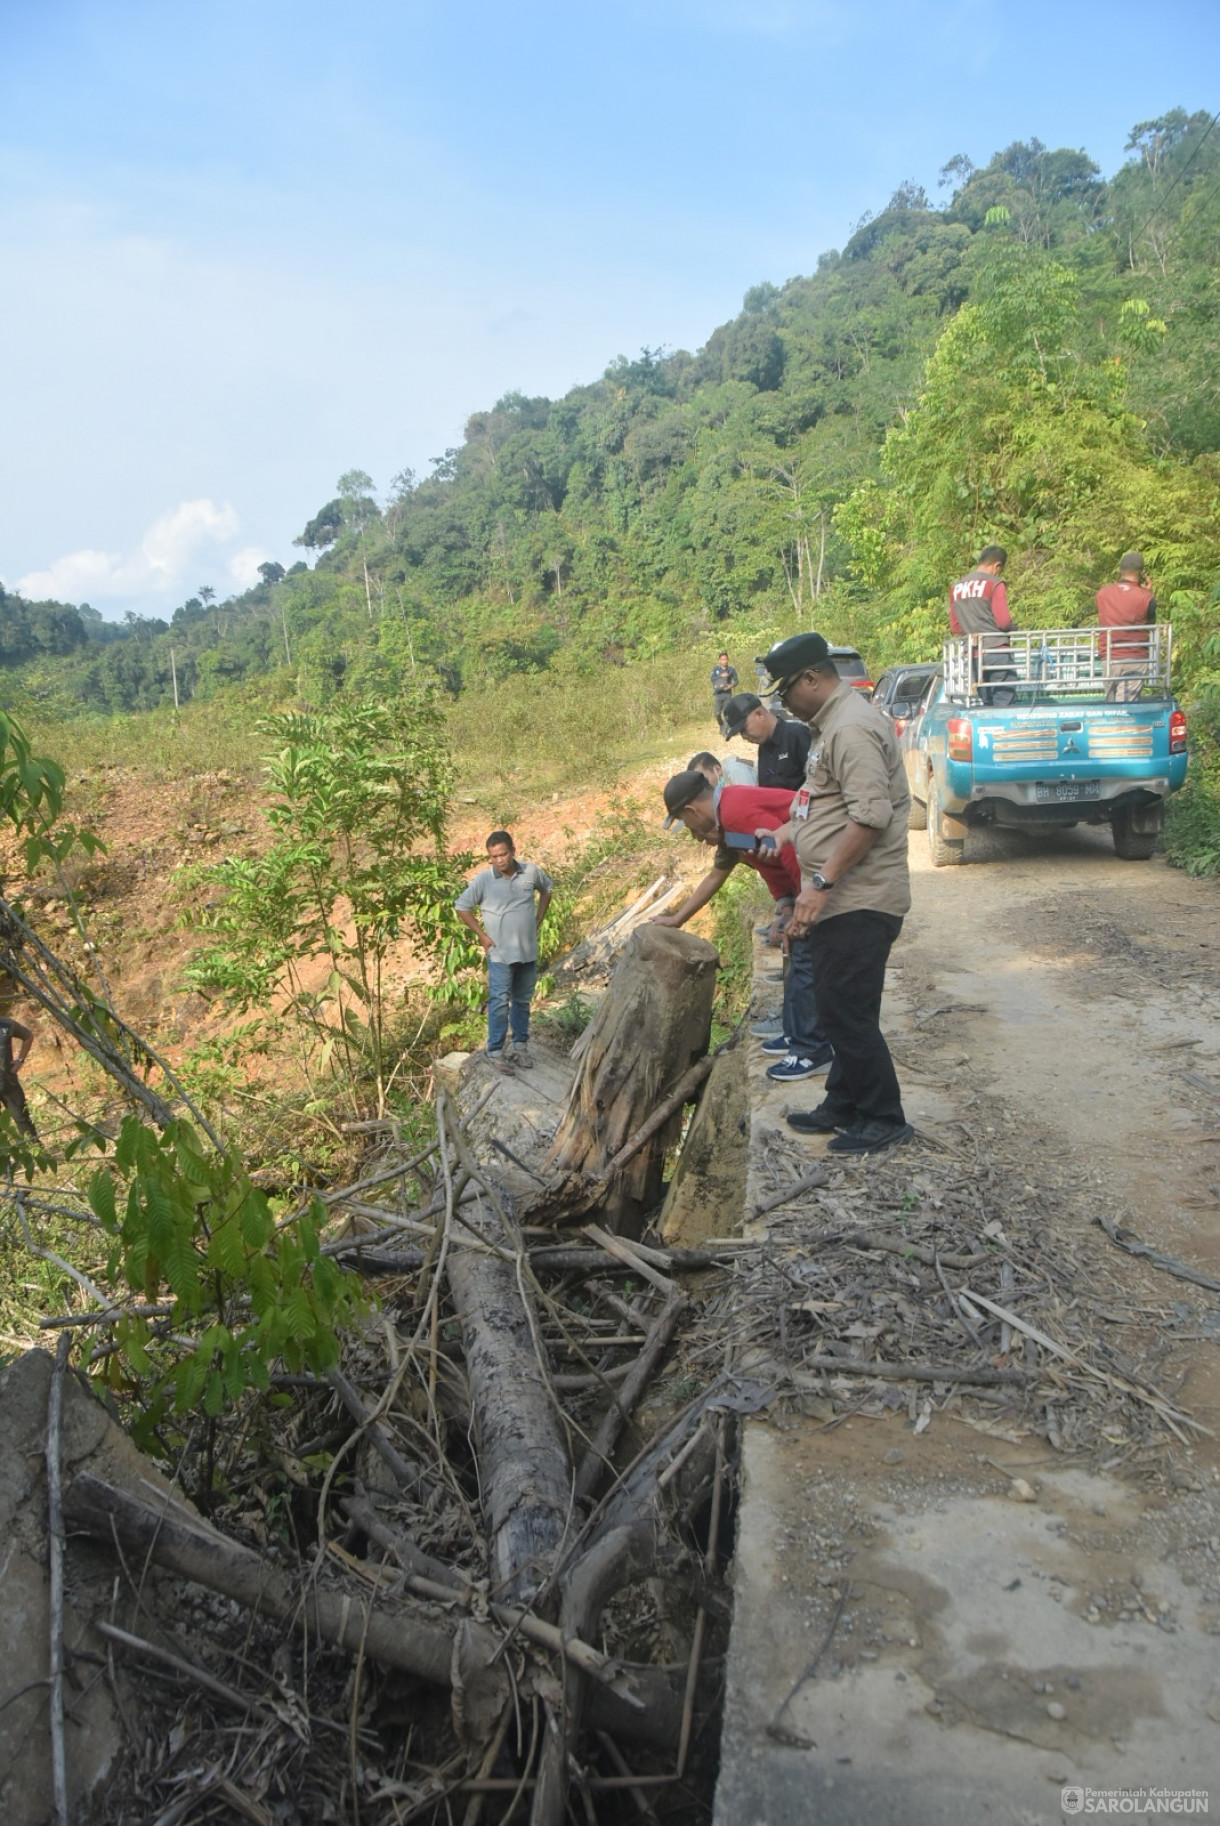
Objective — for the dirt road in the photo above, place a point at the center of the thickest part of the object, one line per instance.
(911, 1646)
(1088, 992)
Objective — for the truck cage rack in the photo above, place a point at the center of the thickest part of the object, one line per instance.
(1030, 665)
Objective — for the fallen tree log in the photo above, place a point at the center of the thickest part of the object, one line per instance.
(387, 1632)
(525, 1472)
(652, 1025)
(346, 1620)
(562, 1258)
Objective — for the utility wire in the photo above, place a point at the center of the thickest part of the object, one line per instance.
(1157, 207)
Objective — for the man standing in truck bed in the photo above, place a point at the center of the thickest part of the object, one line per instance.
(1124, 606)
(978, 604)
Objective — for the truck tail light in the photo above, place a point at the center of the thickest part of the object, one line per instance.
(961, 739)
(1177, 732)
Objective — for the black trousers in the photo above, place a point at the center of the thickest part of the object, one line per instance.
(12, 1098)
(849, 957)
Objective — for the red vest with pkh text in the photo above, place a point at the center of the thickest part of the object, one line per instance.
(970, 603)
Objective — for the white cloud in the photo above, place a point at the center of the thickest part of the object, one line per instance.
(78, 577)
(243, 565)
(192, 535)
(172, 542)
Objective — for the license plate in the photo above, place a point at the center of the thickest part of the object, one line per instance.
(1055, 791)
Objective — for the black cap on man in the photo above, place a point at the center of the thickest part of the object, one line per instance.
(737, 710)
(789, 658)
(682, 790)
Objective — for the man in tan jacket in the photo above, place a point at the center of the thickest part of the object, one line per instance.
(849, 829)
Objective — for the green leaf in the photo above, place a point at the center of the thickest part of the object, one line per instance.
(227, 1249)
(101, 1198)
(256, 1225)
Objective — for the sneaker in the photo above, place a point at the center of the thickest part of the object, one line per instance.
(777, 1046)
(500, 1062)
(774, 976)
(866, 1137)
(793, 1068)
(522, 1058)
(821, 1120)
(767, 1030)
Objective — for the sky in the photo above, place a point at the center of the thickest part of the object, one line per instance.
(250, 244)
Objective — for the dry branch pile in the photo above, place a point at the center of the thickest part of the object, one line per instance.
(462, 1578)
(929, 1282)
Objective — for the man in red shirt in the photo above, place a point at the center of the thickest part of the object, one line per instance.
(713, 815)
(1125, 606)
(978, 604)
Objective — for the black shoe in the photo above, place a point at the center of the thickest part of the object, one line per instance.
(867, 1137)
(819, 1121)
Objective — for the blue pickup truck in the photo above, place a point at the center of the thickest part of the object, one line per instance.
(1047, 727)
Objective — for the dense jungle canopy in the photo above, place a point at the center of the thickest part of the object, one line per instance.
(1032, 360)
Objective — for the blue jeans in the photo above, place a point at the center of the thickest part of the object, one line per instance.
(803, 1029)
(510, 987)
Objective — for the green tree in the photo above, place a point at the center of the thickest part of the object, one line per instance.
(1017, 438)
(358, 801)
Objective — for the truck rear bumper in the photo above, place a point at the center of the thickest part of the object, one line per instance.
(1039, 802)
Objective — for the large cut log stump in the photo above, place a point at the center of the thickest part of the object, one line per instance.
(653, 1023)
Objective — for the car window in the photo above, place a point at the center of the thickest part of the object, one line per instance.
(850, 665)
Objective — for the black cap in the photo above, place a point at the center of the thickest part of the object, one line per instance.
(789, 657)
(738, 708)
(1131, 564)
(683, 790)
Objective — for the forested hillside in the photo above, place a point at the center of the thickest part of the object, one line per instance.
(1032, 360)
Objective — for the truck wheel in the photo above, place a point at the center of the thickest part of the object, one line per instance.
(919, 814)
(1131, 845)
(943, 853)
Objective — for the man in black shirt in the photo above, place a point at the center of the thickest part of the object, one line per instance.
(724, 683)
(783, 745)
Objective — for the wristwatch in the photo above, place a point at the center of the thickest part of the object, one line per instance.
(818, 880)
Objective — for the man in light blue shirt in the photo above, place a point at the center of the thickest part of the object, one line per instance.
(505, 896)
(731, 769)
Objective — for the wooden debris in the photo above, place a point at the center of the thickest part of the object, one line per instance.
(982, 1375)
(1168, 1263)
(652, 1024)
(596, 955)
(597, 1458)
